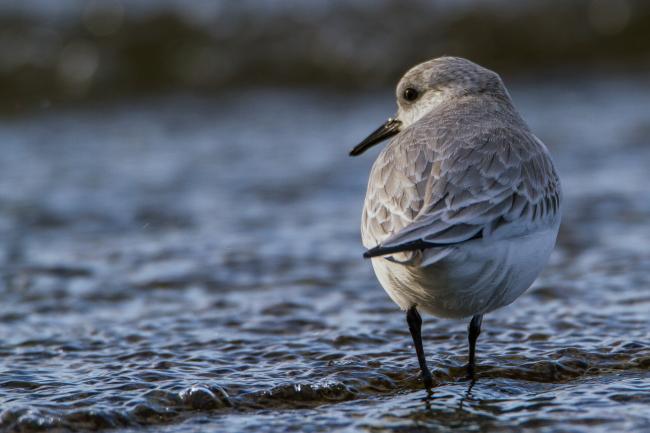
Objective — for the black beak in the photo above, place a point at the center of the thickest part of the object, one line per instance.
(388, 129)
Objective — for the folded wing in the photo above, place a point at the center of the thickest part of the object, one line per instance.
(437, 193)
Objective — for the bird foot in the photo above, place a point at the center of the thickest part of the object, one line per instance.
(471, 372)
(427, 379)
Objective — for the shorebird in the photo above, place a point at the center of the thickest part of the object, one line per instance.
(463, 205)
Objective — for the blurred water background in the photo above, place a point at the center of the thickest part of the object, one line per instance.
(179, 246)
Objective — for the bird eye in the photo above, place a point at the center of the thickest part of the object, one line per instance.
(410, 94)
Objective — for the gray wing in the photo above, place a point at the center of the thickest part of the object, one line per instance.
(429, 191)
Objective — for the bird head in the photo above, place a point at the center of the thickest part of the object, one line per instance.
(430, 85)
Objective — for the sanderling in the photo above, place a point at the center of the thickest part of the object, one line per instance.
(463, 205)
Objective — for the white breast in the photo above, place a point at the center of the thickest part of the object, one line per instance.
(474, 278)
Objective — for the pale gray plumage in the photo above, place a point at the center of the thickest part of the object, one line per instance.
(467, 166)
(463, 205)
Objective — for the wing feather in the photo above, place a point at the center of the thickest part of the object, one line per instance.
(435, 191)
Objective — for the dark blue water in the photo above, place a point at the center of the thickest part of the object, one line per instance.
(188, 264)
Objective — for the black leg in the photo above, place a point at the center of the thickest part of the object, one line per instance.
(473, 331)
(415, 325)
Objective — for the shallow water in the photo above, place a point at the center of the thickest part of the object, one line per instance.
(194, 264)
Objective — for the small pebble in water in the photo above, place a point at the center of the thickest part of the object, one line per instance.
(201, 398)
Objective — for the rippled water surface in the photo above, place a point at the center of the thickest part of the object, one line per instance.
(195, 265)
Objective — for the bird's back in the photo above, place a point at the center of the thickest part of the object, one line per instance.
(468, 166)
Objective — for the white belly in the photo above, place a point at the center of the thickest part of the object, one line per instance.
(474, 278)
